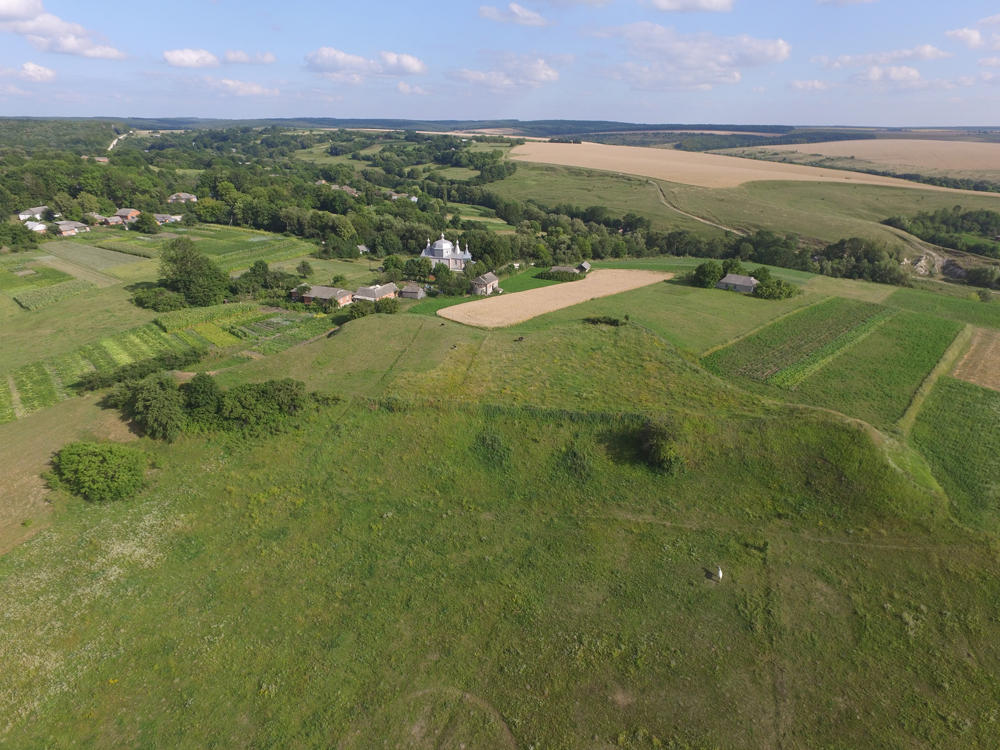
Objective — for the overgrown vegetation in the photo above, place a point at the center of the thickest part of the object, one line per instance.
(99, 471)
(969, 231)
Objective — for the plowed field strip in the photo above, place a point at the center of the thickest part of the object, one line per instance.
(981, 364)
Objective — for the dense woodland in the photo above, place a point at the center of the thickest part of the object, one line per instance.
(975, 232)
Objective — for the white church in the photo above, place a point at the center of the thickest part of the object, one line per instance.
(448, 253)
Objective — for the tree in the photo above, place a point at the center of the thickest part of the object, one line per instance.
(146, 224)
(707, 275)
(762, 274)
(100, 471)
(985, 295)
(304, 269)
(733, 265)
(158, 407)
(776, 289)
(360, 309)
(387, 306)
(985, 276)
(393, 263)
(159, 299)
(418, 269)
(190, 272)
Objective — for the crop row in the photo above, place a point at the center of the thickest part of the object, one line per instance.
(129, 248)
(36, 298)
(215, 335)
(270, 254)
(35, 387)
(192, 316)
(792, 376)
(6, 403)
(791, 340)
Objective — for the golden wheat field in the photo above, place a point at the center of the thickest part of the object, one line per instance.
(687, 168)
(948, 155)
(509, 309)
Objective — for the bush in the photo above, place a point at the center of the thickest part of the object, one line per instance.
(776, 289)
(985, 295)
(146, 224)
(100, 471)
(707, 275)
(660, 445)
(762, 274)
(93, 381)
(576, 461)
(159, 299)
(387, 306)
(261, 404)
(360, 309)
(606, 320)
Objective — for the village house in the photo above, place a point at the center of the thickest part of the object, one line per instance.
(375, 293)
(444, 251)
(349, 190)
(582, 268)
(486, 284)
(35, 213)
(36, 226)
(162, 219)
(182, 198)
(363, 249)
(71, 228)
(95, 217)
(735, 283)
(413, 291)
(113, 221)
(128, 215)
(324, 294)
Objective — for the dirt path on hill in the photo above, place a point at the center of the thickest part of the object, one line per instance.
(672, 207)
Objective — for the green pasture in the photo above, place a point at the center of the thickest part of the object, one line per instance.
(681, 265)
(374, 575)
(525, 280)
(42, 276)
(985, 315)
(89, 256)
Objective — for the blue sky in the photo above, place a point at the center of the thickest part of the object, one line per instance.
(804, 62)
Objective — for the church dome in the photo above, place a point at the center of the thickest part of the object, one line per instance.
(443, 244)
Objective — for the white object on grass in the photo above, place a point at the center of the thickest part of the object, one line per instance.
(720, 574)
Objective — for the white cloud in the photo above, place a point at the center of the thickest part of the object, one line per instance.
(239, 57)
(397, 64)
(813, 85)
(48, 33)
(991, 79)
(336, 65)
(512, 73)
(669, 60)
(990, 62)
(514, 14)
(971, 38)
(37, 73)
(405, 88)
(11, 90)
(240, 88)
(29, 71)
(920, 52)
(991, 21)
(191, 58)
(715, 6)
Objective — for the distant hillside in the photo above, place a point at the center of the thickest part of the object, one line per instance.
(79, 136)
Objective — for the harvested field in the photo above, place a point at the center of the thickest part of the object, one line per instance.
(81, 272)
(509, 309)
(947, 155)
(859, 290)
(981, 364)
(96, 258)
(702, 170)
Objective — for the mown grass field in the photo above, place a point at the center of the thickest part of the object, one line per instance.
(942, 306)
(959, 432)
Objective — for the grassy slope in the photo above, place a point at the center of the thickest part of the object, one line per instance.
(350, 580)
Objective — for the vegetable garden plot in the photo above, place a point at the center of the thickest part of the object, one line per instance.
(787, 352)
(6, 403)
(36, 298)
(178, 321)
(41, 276)
(90, 256)
(35, 387)
(270, 253)
(212, 333)
(69, 367)
(307, 329)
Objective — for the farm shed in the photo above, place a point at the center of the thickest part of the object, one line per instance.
(36, 226)
(486, 284)
(735, 283)
(326, 294)
(71, 228)
(113, 221)
(582, 268)
(413, 291)
(377, 292)
(128, 214)
(35, 213)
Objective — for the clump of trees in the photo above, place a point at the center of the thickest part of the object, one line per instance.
(984, 276)
(165, 410)
(560, 276)
(93, 381)
(159, 299)
(363, 307)
(192, 274)
(953, 227)
(99, 471)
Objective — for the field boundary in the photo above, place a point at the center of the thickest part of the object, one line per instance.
(943, 367)
(82, 273)
(758, 329)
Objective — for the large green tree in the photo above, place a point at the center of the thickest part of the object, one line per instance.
(190, 272)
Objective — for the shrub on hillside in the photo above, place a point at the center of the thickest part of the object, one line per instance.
(762, 274)
(607, 320)
(776, 289)
(157, 406)
(100, 471)
(261, 404)
(146, 224)
(560, 276)
(985, 276)
(492, 449)
(159, 299)
(576, 461)
(660, 445)
(387, 306)
(707, 275)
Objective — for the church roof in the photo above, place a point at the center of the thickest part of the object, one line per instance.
(445, 249)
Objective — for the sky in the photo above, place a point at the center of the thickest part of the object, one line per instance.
(890, 63)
